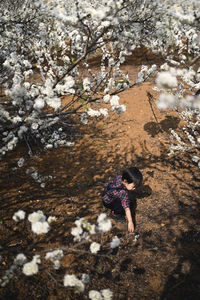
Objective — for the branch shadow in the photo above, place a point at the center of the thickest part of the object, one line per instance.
(184, 280)
(141, 192)
(78, 180)
(154, 128)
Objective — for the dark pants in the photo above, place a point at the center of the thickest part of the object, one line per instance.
(115, 206)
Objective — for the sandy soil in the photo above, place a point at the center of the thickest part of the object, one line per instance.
(164, 262)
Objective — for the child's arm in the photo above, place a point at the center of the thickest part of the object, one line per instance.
(129, 218)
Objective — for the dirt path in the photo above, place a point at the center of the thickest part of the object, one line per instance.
(163, 263)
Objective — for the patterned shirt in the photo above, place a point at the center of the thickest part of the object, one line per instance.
(116, 190)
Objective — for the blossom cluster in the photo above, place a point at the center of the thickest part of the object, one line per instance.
(78, 284)
(84, 229)
(175, 95)
(19, 215)
(105, 294)
(18, 261)
(81, 231)
(114, 102)
(31, 268)
(55, 257)
(39, 224)
(38, 177)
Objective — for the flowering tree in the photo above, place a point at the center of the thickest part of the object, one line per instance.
(46, 49)
(53, 41)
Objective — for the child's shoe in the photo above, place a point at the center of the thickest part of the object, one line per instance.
(117, 217)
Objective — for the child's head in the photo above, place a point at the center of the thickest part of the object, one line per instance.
(132, 178)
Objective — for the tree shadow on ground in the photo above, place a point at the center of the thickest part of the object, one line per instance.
(154, 128)
(78, 178)
(141, 192)
(184, 280)
(181, 225)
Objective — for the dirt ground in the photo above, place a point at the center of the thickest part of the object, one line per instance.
(164, 263)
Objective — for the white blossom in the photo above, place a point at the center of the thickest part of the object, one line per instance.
(166, 79)
(20, 162)
(40, 227)
(51, 219)
(105, 225)
(166, 100)
(86, 84)
(119, 108)
(69, 144)
(196, 158)
(101, 217)
(73, 281)
(30, 268)
(54, 102)
(19, 215)
(106, 98)
(36, 217)
(93, 113)
(104, 112)
(79, 222)
(70, 280)
(92, 229)
(56, 254)
(84, 119)
(95, 247)
(34, 126)
(39, 104)
(115, 242)
(76, 231)
(17, 119)
(48, 146)
(165, 67)
(85, 278)
(36, 259)
(55, 257)
(95, 295)
(107, 294)
(20, 259)
(114, 101)
(69, 81)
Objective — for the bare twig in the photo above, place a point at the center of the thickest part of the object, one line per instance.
(70, 249)
(150, 98)
(29, 147)
(194, 60)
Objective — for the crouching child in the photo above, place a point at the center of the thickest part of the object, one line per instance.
(116, 198)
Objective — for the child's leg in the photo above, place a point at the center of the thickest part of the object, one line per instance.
(117, 211)
(117, 208)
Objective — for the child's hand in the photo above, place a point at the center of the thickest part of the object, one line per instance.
(130, 227)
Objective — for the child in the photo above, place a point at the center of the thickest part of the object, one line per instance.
(116, 197)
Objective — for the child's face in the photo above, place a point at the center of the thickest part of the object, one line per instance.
(130, 186)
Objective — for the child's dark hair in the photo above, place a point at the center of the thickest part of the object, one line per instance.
(132, 174)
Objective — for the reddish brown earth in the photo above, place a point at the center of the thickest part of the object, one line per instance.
(164, 263)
